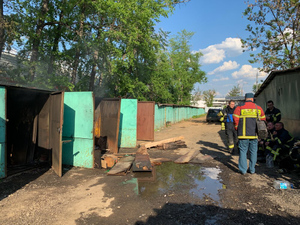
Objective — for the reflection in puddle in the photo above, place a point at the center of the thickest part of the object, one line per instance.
(189, 179)
(210, 186)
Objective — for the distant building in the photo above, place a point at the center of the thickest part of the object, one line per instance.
(219, 102)
(237, 99)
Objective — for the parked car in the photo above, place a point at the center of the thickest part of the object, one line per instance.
(212, 115)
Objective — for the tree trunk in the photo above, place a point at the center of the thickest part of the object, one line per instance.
(77, 54)
(55, 45)
(75, 67)
(37, 40)
(93, 72)
(2, 41)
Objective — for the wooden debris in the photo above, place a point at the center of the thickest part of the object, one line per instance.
(97, 159)
(142, 161)
(108, 160)
(172, 145)
(158, 161)
(156, 143)
(122, 166)
(187, 157)
(200, 158)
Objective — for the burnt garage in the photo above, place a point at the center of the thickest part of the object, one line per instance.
(31, 124)
(33, 131)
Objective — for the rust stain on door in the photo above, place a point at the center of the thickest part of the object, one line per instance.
(145, 121)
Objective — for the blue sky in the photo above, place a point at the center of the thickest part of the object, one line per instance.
(218, 26)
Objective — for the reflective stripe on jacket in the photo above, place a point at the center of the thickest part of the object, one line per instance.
(244, 117)
(275, 115)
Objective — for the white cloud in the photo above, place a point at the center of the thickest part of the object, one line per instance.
(247, 71)
(221, 79)
(212, 55)
(230, 65)
(218, 52)
(233, 46)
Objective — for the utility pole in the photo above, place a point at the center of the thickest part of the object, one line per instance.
(256, 88)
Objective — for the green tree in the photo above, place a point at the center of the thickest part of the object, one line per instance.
(255, 87)
(208, 97)
(107, 46)
(177, 71)
(274, 32)
(2, 22)
(197, 96)
(235, 91)
(185, 68)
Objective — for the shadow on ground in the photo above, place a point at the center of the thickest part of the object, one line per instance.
(13, 183)
(174, 213)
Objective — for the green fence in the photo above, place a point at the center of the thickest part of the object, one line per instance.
(173, 114)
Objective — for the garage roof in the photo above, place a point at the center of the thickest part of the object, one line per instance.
(271, 77)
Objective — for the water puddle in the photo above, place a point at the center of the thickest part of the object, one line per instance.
(169, 177)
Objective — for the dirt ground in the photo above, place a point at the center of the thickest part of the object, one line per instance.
(173, 196)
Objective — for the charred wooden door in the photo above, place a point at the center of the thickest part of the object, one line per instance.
(3, 171)
(44, 126)
(56, 122)
(110, 121)
(145, 121)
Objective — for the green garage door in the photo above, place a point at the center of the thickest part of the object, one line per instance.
(78, 135)
(2, 132)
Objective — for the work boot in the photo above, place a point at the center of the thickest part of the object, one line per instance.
(234, 151)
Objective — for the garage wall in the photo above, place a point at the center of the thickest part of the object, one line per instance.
(284, 91)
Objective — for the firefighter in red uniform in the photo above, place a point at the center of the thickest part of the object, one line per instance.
(245, 123)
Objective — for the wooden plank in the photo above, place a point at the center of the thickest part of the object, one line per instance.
(158, 161)
(156, 143)
(109, 160)
(172, 145)
(187, 157)
(34, 138)
(121, 167)
(142, 161)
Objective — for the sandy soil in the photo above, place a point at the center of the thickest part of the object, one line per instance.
(88, 196)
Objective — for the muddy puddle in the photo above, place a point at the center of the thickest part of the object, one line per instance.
(170, 178)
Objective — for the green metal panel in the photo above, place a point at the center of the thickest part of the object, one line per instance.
(78, 137)
(169, 114)
(159, 117)
(2, 131)
(128, 123)
(174, 114)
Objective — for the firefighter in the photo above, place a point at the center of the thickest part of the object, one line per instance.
(292, 162)
(272, 114)
(227, 125)
(261, 156)
(283, 141)
(244, 117)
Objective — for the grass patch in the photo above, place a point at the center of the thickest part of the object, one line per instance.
(198, 116)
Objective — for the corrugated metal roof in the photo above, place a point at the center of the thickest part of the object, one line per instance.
(11, 84)
(271, 77)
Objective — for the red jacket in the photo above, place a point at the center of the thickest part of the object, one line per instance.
(244, 117)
